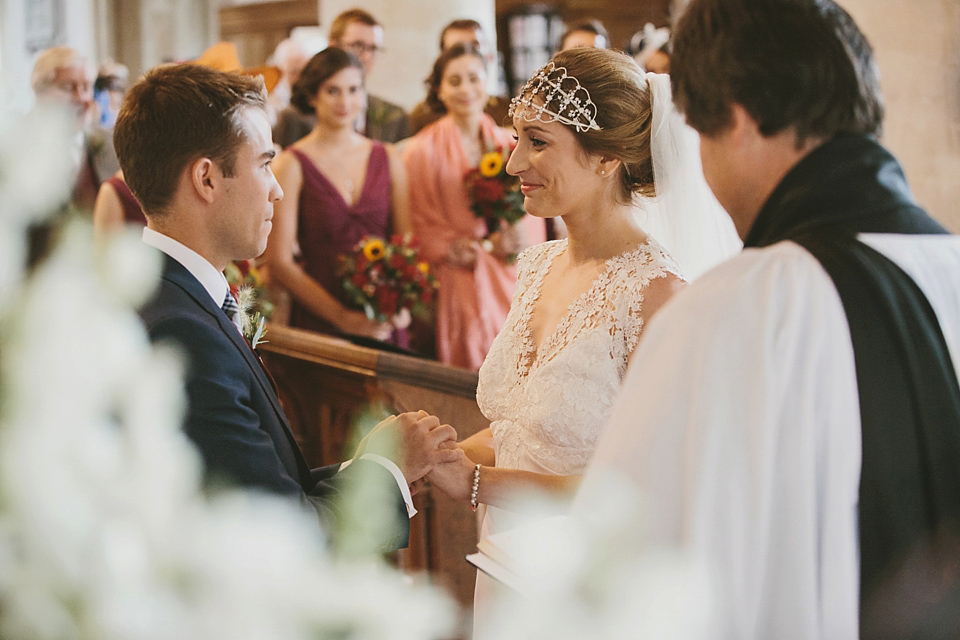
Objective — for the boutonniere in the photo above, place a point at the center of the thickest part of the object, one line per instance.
(253, 327)
(259, 332)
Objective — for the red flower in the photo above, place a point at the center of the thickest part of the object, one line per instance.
(397, 261)
(489, 191)
(387, 299)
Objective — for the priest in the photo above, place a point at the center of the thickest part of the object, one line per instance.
(793, 416)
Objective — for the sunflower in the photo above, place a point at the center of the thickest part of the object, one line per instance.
(373, 250)
(423, 267)
(490, 164)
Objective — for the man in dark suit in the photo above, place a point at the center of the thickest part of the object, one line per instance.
(195, 148)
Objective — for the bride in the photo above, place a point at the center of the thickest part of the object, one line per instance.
(598, 144)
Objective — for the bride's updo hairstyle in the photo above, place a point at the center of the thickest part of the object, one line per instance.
(618, 127)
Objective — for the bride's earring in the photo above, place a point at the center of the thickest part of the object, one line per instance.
(603, 172)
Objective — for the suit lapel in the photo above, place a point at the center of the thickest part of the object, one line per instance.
(179, 276)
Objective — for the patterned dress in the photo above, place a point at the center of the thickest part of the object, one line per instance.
(548, 407)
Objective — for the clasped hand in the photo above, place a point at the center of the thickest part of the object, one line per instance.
(415, 441)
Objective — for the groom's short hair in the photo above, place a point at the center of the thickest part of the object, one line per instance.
(789, 63)
(174, 115)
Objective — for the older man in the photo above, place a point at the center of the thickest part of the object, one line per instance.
(62, 76)
(793, 416)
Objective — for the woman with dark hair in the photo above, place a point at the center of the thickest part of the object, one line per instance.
(476, 278)
(338, 187)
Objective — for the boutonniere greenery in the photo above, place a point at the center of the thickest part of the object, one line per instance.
(252, 326)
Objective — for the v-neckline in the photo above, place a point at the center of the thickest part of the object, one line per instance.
(533, 354)
(333, 187)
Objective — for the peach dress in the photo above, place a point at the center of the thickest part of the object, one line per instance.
(472, 304)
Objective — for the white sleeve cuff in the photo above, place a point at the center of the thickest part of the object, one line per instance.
(390, 466)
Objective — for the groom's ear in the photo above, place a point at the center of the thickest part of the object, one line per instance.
(204, 174)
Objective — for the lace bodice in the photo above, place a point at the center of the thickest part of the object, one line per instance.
(547, 407)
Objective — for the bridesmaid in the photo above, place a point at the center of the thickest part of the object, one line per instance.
(338, 187)
(476, 281)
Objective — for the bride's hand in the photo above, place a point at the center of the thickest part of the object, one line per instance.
(454, 478)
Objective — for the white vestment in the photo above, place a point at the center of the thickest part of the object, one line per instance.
(739, 421)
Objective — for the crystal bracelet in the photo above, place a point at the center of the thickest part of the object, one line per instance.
(476, 486)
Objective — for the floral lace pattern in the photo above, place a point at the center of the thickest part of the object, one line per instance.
(547, 407)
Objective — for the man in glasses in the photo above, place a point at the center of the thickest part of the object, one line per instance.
(63, 76)
(359, 33)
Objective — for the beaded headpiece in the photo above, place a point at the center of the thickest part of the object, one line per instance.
(560, 97)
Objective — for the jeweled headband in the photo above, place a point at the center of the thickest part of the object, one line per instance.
(552, 84)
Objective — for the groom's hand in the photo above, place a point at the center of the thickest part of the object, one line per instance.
(413, 441)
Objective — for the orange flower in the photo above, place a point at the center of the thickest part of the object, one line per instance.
(373, 250)
(490, 164)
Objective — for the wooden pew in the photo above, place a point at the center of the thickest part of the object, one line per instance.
(326, 384)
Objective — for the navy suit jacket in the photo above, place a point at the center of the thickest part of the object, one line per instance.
(234, 416)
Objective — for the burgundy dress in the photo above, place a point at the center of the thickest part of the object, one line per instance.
(132, 213)
(328, 227)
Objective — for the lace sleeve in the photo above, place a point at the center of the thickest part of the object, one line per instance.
(644, 287)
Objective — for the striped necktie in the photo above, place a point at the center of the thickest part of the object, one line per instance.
(230, 307)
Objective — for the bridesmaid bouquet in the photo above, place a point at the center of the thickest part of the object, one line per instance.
(494, 194)
(388, 280)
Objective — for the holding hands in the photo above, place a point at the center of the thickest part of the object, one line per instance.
(415, 441)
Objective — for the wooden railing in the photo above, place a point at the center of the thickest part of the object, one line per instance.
(327, 385)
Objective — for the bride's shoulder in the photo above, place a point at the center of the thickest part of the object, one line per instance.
(535, 255)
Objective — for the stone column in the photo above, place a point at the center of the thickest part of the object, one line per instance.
(411, 39)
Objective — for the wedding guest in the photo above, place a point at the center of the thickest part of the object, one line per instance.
(108, 90)
(463, 31)
(475, 277)
(290, 56)
(793, 417)
(589, 33)
(340, 186)
(650, 47)
(195, 148)
(553, 372)
(62, 75)
(358, 32)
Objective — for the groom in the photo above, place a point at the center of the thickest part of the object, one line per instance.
(793, 416)
(195, 149)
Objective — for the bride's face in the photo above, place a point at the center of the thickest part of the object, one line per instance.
(557, 177)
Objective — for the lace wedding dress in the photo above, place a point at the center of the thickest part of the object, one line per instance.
(548, 406)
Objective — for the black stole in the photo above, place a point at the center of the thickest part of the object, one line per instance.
(908, 391)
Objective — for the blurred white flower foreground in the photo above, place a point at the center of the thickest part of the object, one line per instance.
(586, 576)
(104, 532)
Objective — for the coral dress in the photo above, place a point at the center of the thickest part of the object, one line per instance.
(327, 227)
(472, 304)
